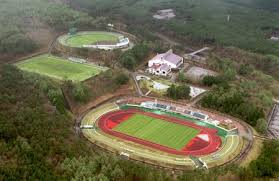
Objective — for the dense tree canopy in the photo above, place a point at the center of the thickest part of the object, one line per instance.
(37, 141)
(199, 21)
(234, 102)
(19, 18)
(267, 163)
(131, 58)
(178, 92)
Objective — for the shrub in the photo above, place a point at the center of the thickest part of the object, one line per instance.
(178, 92)
(121, 79)
(81, 93)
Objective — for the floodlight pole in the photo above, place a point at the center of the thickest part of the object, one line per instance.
(228, 18)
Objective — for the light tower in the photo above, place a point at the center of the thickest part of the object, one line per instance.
(228, 18)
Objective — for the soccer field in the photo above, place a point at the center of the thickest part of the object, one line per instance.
(158, 131)
(90, 38)
(59, 68)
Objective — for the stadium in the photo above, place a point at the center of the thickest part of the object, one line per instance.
(161, 133)
(95, 40)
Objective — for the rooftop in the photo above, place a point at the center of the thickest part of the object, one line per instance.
(169, 56)
(165, 67)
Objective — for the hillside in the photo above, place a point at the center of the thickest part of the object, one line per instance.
(38, 142)
(249, 27)
(30, 25)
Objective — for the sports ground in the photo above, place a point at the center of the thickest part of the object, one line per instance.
(88, 38)
(163, 133)
(158, 131)
(157, 137)
(59, 68)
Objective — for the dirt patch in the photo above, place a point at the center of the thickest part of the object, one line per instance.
(196, 74)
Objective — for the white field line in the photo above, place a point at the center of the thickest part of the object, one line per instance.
(220, 152)
(231, 144)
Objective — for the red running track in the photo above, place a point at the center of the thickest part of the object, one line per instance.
(197, 146)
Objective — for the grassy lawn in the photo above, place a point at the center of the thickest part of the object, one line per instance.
(59, 68)
(158, 131)
(149, 85)
(90, 38)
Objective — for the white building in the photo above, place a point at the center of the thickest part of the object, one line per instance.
(162, 64)
(164, 14)
(122, 43)
(275, 38)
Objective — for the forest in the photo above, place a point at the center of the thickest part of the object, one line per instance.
(29, 17)
(249, 27)
(241, 90)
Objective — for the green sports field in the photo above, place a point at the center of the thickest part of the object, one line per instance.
(89, 38)
(59, 68)
(158, 131)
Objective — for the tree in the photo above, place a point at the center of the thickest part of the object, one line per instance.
(181, 77)
(245, 69)
(128, 61)
(229, 74)
(140, 51)
(178, 92)
(117, 173)
(81, 92)
(121, 79)
(265, 165)
(233, 101)
(56, 98)
(183, 92)
(210, 80)
(261, 125)
(73, 31)
(171, 92)
(131, 58)
(18, 43)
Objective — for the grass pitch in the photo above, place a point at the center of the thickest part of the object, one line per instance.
(59, 68)
(89, 38)
(158, 131)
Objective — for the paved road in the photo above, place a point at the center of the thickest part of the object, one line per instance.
(166, 39)
(137, 85)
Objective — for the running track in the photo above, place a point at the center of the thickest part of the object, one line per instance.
(195, 147)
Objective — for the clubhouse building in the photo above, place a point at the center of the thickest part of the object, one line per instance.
(163, 64)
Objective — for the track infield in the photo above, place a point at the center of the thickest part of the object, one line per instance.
(59, 68)
(156, 130)
(160, 132)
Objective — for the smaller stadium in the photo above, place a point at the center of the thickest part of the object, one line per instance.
(95, 40)
(163, 134)
(60, 68)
